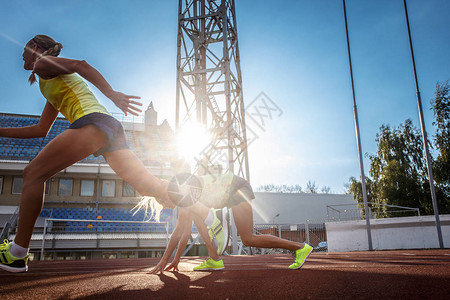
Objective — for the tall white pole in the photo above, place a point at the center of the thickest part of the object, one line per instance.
(425, 139)
(358, 139)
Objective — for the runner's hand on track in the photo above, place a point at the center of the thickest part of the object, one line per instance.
(173, 266)
(125, 103)
(159, 268)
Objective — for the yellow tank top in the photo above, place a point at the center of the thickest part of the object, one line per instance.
(216, 190)
(71, 96)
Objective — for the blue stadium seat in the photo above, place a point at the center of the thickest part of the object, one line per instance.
(107, 214)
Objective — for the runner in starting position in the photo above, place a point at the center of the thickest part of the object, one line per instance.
(219, 191)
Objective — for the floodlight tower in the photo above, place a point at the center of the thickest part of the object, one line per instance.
(209, 82)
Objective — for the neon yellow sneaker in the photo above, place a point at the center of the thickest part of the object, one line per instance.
(10, 263)
(210, 265)
(300, 257)
(219, 229)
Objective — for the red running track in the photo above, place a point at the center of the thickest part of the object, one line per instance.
(401, 274)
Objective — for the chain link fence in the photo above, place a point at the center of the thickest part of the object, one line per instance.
(310, 232)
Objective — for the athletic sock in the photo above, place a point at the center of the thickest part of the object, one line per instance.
(18, 251)
(210, 218)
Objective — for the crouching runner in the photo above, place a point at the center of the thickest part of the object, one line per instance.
(211, 220)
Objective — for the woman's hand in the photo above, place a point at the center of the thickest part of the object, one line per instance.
(173, 266)
(125, 103)
(159, 268)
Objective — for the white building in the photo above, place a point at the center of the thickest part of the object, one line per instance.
(295, 208)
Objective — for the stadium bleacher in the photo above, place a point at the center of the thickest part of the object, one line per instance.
(106, 214)
(27, 149)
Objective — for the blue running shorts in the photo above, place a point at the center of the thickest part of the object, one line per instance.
(111, 127)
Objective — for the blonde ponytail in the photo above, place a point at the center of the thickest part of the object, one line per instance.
(49, 47)
(152, 208)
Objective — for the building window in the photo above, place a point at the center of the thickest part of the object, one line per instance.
(87, 187)
(128, 190)
(17, 185)
(1, 184)
(47, 186)
(108, 188)
(65, 187)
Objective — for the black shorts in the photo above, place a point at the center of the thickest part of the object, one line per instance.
(241, 191)
(111, 127)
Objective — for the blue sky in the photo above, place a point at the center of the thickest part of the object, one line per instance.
(293, 51)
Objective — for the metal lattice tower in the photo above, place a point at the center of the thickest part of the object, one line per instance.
(209, 82)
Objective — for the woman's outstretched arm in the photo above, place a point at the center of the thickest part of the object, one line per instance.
(41, 129)
(184, 223)
(49, 66)
(181, 244)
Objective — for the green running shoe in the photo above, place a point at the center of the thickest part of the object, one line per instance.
(10, 263)
(210, 265)
(300, 257)
(219, 229)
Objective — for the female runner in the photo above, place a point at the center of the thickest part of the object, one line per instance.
(221, 191)
(92, 131)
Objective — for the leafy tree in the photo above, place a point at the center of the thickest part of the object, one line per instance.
(273, 188)
(398, 172)
(441, 166)
(399, 169)
(311, 187)
(266, 188)
(355, 188)
(325, 189)
(296, 188)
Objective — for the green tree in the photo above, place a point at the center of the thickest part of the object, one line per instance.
(398, 169)
(325, 190)
(441, 166)
(273, 188)
(311, 187)
(397, 173)
(354, 187)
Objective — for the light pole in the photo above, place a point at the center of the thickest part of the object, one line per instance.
(273, 219)
(358, 138)
(424, 137)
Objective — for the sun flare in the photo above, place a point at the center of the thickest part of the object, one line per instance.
(191, 140)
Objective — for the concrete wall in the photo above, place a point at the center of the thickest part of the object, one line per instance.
(295, 208)
(387, 234)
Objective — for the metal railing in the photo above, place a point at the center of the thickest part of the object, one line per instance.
(9, 225)
(130, 119)
(348, 212)
(60, 225)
